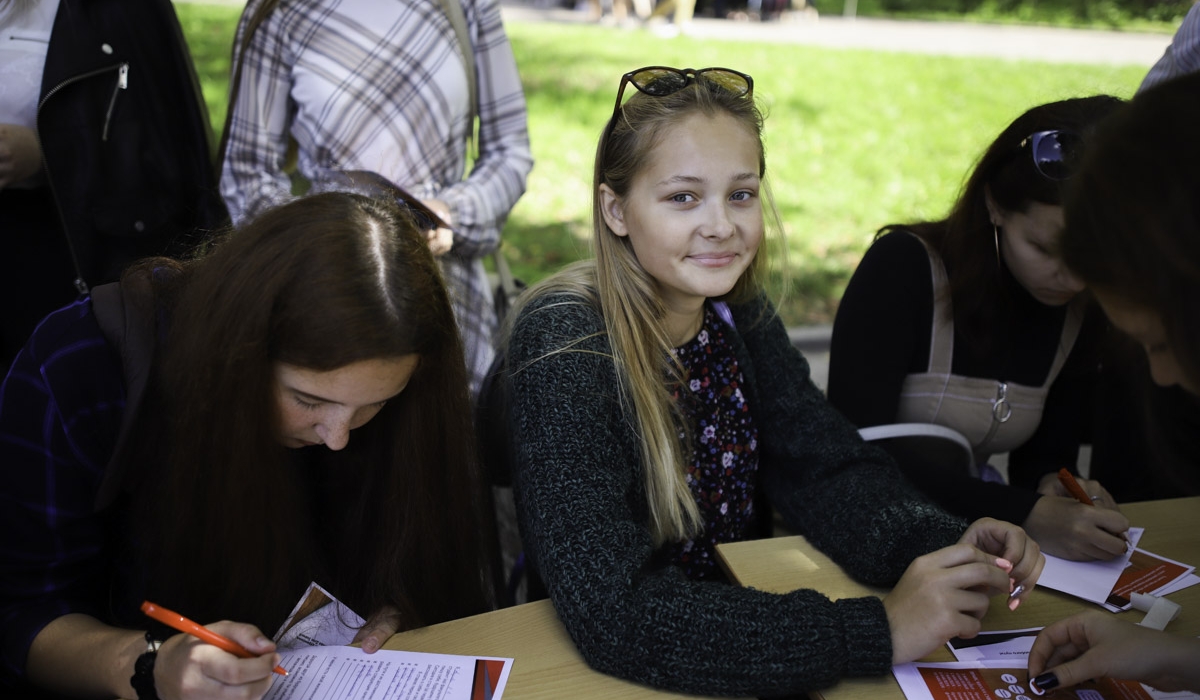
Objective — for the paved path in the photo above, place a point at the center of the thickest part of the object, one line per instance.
(943, 38)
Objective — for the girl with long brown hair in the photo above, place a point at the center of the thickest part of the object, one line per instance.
(215, 435)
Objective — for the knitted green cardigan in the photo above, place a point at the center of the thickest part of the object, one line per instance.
(583, 518)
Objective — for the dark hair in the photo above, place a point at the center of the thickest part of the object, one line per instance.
(236, 528)
(1133, 212)
(965, 238)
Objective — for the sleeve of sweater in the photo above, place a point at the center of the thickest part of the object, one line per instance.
(60, 412)
(881, 332)
(583, 517)
(847, 497)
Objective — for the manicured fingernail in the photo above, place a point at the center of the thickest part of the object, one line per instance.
(1044, 682)
(1013, 604)
(1004, 564)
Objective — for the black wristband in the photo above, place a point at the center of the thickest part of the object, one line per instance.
(143, 671)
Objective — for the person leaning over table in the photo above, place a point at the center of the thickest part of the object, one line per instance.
(973, 323)
(656, 402)
(1133, 235)
(215, 435)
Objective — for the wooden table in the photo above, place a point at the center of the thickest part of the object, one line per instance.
(545, 661)
(784, 564)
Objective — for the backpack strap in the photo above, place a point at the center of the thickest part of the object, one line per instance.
(454, 12)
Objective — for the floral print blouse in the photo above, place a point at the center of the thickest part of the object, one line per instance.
(723, 466)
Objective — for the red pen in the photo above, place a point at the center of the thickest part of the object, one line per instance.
(1067, 479)
(181, 623)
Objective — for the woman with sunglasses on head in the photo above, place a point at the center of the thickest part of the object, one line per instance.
(1133, 236)
(974, 323)
(214, 435)
(657, 405)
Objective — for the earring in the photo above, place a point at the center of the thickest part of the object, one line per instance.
(996, 238)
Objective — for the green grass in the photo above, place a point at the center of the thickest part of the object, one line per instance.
(855, 139)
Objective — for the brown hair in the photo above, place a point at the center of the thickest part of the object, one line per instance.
(236, 527)
(965, 238)
(1133, 213)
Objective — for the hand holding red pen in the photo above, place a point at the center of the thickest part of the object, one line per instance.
(1066, 528)
(189, 668)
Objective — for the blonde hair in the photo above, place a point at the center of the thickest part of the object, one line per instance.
(627, 296)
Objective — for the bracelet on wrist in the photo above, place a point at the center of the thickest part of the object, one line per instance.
(143, 670)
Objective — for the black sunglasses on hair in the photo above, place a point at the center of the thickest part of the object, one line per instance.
(1055, 153)
(376, 185)
(660, 81)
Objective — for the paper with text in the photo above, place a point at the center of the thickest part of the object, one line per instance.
(348, 673)
(1011, 648)
(1145, 573)
(989, 680)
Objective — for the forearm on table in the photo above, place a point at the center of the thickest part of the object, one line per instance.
(78, 655)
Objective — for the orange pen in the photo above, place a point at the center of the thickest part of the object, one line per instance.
(1067, 479)
(181, 623)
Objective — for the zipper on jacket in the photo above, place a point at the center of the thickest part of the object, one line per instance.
(122, 84)
(81, 285)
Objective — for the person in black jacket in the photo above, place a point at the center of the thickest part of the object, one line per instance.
(971, 322)
(104, 158)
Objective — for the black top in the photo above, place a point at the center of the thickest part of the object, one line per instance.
(882, 334)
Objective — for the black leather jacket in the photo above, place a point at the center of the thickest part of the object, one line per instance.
(125, 136)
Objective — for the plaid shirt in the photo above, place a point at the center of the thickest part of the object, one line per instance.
(381, 86)
(1182, 56)
(60, 414)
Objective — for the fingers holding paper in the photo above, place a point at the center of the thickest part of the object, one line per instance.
(1094, 644)
(1011, 543)
(375, 632)
(187, 667)
(941, 595)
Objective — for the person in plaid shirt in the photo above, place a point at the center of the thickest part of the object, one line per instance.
(382, 86)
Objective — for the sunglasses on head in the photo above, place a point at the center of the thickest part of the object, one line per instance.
(660, 81)
(1055, 153)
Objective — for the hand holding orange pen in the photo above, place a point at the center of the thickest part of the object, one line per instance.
(1067, 479)
(181, 623)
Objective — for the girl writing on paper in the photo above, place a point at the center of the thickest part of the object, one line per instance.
(972, 322)
(656, 406)
(215, 435)
(1133, 235)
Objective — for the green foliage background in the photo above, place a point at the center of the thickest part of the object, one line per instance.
(855, 139)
